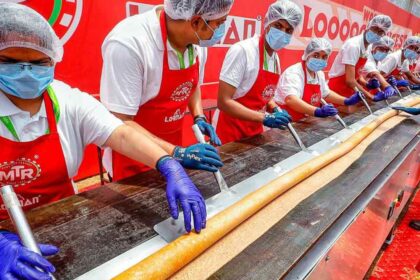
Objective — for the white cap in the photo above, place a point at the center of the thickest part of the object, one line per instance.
(207, 9)
(284, 9)
(385, 41)
(381, 21)
(22, 27)
(412, 41)
(317, 45)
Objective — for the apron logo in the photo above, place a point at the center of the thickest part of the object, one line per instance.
(182, 92)
(178, 115)
(315, 99)
(269, 92)
(25, 202)
(19, 172)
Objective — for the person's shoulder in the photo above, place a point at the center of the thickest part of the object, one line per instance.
(353, 41)
(294, 69)
(134, 30)
(68, 96)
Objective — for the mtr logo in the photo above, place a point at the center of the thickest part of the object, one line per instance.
(19, 172)
(238, 28)
(63, 15)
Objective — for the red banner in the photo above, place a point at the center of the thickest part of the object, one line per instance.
(82, 26)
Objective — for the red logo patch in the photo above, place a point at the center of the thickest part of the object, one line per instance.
(19, 172)
(316, 99)
(182, 92)
(269, 92)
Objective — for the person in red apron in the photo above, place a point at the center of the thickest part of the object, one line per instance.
(397, 65)
(44, 128)
(303, 85)
(249, 77)
(152, 73)
(344, 73)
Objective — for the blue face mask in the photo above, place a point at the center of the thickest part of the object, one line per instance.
(25, 80)
(379, 56)
(277, 39)
(216, 38)
(410, 54)
(316, 64)
(372, 37)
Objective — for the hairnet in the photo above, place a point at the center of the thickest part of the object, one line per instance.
(385, 41)
(284, 9)
(317, 45)
(207, 9)
(22, 27)
(381, 21)
(412, 41)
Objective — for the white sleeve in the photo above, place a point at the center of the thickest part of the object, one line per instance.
(325, 89)
(94, 121)
(203, 60)
(388, 65)
(234, 66)
(351, 54)
(122, 79)
(290, 83)
(405, 67)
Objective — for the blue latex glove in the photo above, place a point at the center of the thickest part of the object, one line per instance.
(278, 119)
(17, 262)
(389, 91)
(352, 100)
(326, 111)
(199, 157)
(415, 87)
(411, 111)
(208, 129)
(403, 83)
(181, 190)
(380, 96)
(373, 84)
(392, 81)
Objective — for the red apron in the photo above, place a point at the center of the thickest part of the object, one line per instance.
(338, 84)
(230, 129)
(36, 169)
(164, 115)
(311, 95)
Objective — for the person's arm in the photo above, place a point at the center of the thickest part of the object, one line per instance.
(128, 120)
(227, 104)
(195, 105)
(351, 81)
(412, 78)
(335, 98)
(299, 105)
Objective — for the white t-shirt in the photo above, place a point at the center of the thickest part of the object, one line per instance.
(133, 59)
(292, 82)
(242, 63)
(351, 51)
(83, 121)
(393, 61)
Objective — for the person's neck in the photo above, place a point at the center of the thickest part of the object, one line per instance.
(176, 35)
(29, 105)
(268, 49)
(311, 73)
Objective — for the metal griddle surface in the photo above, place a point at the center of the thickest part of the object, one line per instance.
(94, 227)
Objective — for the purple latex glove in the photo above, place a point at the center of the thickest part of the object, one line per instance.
(389, 91)
(181, 190)
(326, 111)
(373, 84)
(403, 83)
(352, 100)
(379, 96)
(17, 262)
(392, 81)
